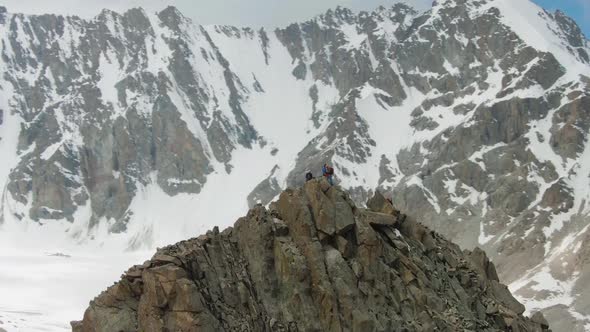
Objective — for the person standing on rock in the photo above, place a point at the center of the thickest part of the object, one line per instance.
(328, 172)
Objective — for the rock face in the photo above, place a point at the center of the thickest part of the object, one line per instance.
(312, 262)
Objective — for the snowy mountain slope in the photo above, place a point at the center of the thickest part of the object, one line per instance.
(120, 131)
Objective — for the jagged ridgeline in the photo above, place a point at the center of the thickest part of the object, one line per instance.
(312, 262)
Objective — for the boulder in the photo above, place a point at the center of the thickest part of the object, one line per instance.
(502, 295)
(378, 219)
(378, 203)
(540, 319)
(482, 264)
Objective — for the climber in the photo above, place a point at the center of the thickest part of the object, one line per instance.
(308, 176)
(328, 172)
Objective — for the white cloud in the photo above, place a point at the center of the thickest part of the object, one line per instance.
(234, 12)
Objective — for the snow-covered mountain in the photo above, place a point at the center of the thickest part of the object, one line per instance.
(140, 129)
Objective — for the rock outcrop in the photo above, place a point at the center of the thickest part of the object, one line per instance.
(313, 261)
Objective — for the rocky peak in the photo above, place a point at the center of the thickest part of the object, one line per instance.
(107, 14)
(571, 30)
(137, 18)
(338, 16)
(313, 261)
(172, 17)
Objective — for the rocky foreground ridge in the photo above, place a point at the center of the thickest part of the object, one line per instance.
(313, 261)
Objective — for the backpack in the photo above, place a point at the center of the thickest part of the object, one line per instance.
(330, 170)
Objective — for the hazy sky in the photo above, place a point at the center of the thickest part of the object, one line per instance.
(252, 12)
(234, 12)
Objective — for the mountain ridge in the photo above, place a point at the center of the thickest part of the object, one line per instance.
(313, 261)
